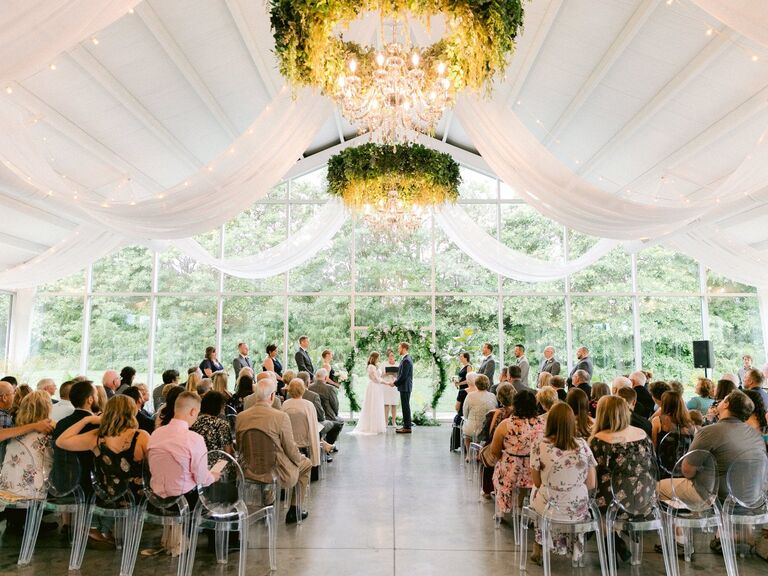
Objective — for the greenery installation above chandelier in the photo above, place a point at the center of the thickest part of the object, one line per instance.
(393, 185)
(395, 87)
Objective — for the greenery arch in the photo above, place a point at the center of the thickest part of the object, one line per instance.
(421, 349)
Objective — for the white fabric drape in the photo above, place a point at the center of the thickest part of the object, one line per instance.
(484, 249)
(301, 246)
(34, 32)
(747, 17)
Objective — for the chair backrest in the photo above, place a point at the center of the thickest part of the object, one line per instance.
(65, 474)
(300, 429)
(224, 496)
(747, 482)
(34, 476)
(258, 452)
(673, 446)
(700, 467)
(635, 493)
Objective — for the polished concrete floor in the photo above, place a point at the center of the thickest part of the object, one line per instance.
(390, 505)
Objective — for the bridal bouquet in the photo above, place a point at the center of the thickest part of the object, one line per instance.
(342, 375)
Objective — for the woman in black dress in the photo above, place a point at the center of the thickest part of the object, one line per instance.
(211, 363)
(272, 364)
(461, 384)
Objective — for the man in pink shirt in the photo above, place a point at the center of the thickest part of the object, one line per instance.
(177, 456)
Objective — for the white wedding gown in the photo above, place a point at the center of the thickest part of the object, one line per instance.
(371, 419)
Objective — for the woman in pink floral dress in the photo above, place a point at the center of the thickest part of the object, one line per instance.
(512, 442)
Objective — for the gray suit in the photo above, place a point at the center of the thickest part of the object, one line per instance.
(519, 386)
(329, 401)
(525, 368)
(241, 362)
(552, 366)
(304, 362)
(488, 367)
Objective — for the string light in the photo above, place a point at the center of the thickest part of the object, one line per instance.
(95, 41)
(8, 90)
(754, 58)
(710, 31)
(53, 66)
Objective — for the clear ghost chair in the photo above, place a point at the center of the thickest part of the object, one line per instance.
(517, 513)
(747, 503)
(475, 469)
(694, 505)
(223, 507)
(551, 522)
(673, 446)
(632, 510)
(65, 495)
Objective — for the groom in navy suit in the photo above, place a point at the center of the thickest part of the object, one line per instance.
(404, 383)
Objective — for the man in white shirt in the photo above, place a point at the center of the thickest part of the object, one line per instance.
(64, 407)
(522, 362)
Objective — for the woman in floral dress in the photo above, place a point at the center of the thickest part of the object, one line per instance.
(512, 442)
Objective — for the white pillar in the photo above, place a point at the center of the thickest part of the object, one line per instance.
(762, 297)
(21, 328)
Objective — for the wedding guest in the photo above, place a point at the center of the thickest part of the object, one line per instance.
(578, 400)
(210, 363)
(645, 404)
(193, 381)
(522, 363)
(630, 397)
(746, 367)
(102, 397)
(546, 397)
(580, 380)
(462, 385)
(584, 363)
(476, 406)
(545, 379)
(307, 436)
(48, 385)
(620, 382)
(503, 378)
(722, 389)
(302, 357)
(214, 429)
(64, 407)
(329, 400)
(244, 389)
(673, 417)
(703, 399)
(558, 383)
(504, 395)
(511, 446)
(169, 377)
(145, 421)
(272, 364)
(563, 472)
(657, 390)
(757, 419)
(753, 380)
(242, 360)
(220, 383)
(22, 391)
(514, 378)
(599, 389)
(165, 415)
(127, 375)
(331, 378)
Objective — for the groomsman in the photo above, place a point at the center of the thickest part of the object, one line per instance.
(584, 363)
(242, 360)
(488, 365)
(549, 364)
(303, 361)
(522, 361)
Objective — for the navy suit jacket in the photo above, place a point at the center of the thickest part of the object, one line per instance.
(404, 381)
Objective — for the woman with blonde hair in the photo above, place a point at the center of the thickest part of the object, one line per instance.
(22, 391)
(193, 381)
(546, 398)
(545, 379)
(307, 438)
(28, 458)
(119, 446)
(372, 418)
(220, 383)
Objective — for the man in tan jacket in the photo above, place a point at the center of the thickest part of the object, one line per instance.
(291, 466)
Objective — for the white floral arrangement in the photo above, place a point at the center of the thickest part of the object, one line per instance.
(342, 375)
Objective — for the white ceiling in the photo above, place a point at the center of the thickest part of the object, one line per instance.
(635, 95)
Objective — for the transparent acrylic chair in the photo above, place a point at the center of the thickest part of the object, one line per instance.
(516, 513)
(65, 495)
(303, 438)
(634, 511)
(168, 512)
(672, 447)
(747, 503)
(258, 454)
(33, 503)
(694, 505)
(223, 506)
(551, 522)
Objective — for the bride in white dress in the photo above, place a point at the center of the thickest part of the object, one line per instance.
(372, 416)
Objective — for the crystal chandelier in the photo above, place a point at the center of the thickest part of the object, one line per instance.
(391, 216)
(395, 91)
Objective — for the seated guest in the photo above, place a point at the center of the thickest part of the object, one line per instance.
(677, 386)
(545, 378)
(697, 418)
(244, 389)
(511, 446)
(165, 415)
(558, 383)
(118, 445)
(657, 390)
(101, 399)
(291, 465)
(169, 377)
(620, 382)
(753, 380)
(251, 400)
(193, 381)
(703, 399)
(546, 398)
(210, 363)
(599, 389)
(645, 405)
(146, 422)
(64, 407)
(563, 472)
(127, 375)
(22, 391)
(206, 384)
(287, 376)
(307, 437)
(621, 451)
(723, 388)
(515, 379)
(214, 429)
(48, 385)
(757, 419)
(476, 406)
(673, 417)
(580, 380)
(329, 401)
(11, 380)
(630, 397)
(578, 400)
(176, 455)
(729, 440)
(220, 383)
(504, 395)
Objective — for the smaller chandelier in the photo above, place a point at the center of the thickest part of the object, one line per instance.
(391, 216)
(396, 90)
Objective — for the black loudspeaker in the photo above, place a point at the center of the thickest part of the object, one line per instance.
(703, 354)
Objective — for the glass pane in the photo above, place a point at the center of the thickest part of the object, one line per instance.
(734, 326)
(119, 335)
(179, 273)
(73, 284)
(662, 270)
(612, 273)
(717, 284)
(604, 325)
(476, 186)
(399, 263)
(506, 192)
(380, 311)
(668, 327)
(525, 230)
(457, 272)
(129, 270)
(278, 192)
(255, 230)
(5, 321)
(536, 322)
(330, 270)
(185, 327)
(311, 186)
(255, 320)
(57, 332)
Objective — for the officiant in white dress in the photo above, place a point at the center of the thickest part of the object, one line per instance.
(372, 415)
(392, 394)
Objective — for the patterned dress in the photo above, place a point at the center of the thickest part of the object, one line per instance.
(627, 463)
(26, 464)
(563, 487)
(117, 471)
(513, 468)
(215, 431)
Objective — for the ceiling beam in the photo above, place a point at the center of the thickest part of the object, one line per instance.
(527, 60)
(120, 93)
(679, 81)
(609, 59)
(174, 52)
(76, 134)
(252, 45)
(448, 123)
(746, 111)
(19, 202)
(22, 243)
(337, 118)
